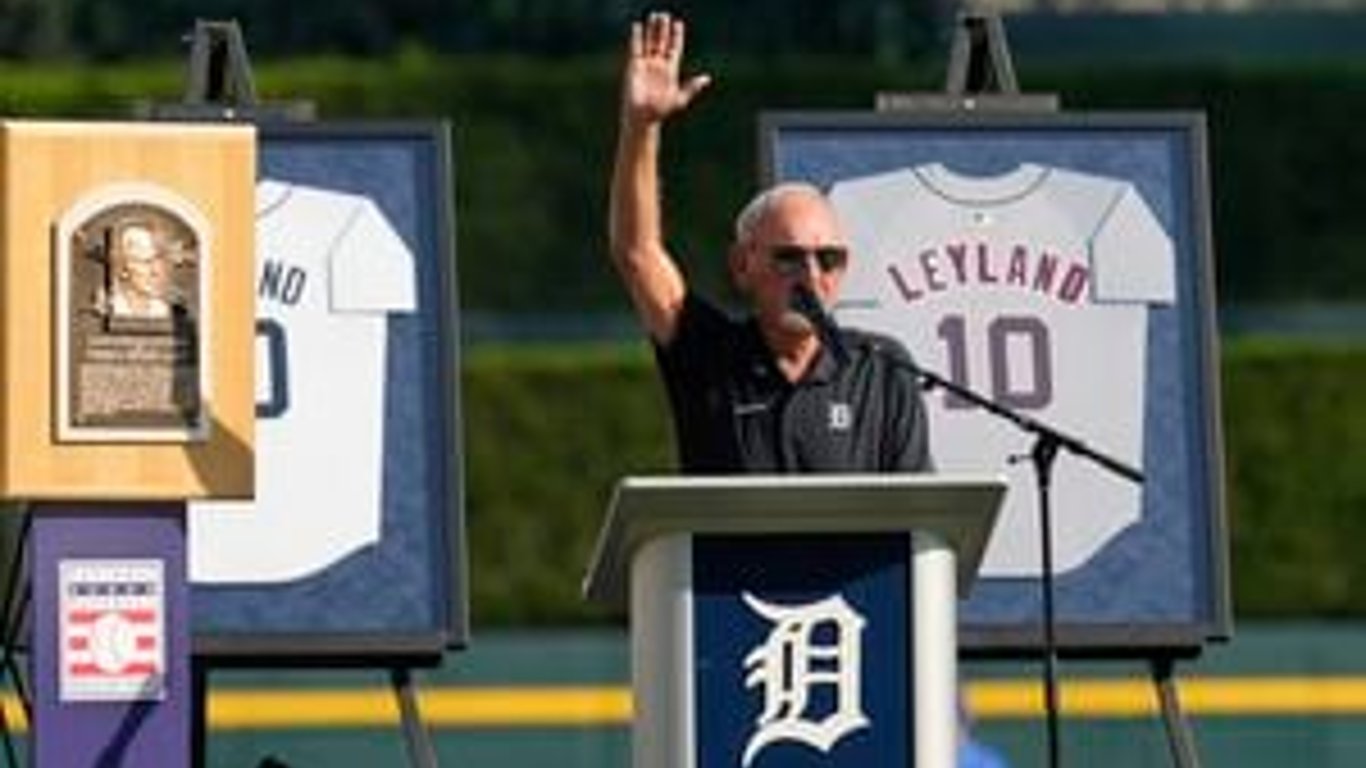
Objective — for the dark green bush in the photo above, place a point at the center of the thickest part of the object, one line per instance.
(547, 432)
(1295, 425)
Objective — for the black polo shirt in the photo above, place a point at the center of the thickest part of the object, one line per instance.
(734, 411)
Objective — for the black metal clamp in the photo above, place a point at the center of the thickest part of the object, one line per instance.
(219, 85)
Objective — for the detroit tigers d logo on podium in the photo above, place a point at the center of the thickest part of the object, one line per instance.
(810, 646)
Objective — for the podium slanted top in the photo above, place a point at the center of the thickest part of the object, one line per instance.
(961, 509)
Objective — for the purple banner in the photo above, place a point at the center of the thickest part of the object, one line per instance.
(111, 653)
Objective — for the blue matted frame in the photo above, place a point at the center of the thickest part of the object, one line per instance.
(405, 598)
(1163, 583)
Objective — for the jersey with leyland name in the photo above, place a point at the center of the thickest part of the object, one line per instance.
(330, 271)
(1032, 288)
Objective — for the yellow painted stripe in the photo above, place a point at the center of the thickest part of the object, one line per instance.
(1198, 696)
(610, 706)
(452, 707)
(14, 712)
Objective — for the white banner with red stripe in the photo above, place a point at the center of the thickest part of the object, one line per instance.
(113, 641)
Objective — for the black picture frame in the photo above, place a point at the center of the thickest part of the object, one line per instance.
(1162, 585)
(404, 599)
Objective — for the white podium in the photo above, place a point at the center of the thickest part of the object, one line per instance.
(794, 620)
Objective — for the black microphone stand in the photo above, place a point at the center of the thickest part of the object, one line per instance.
(1047, 442)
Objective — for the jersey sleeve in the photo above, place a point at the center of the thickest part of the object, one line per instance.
(866, 207)
(848, 203)
(371, 268)
(1132, 256)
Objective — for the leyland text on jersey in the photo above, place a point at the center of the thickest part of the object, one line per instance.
(980, 264)
(280, 282)
(330, 271)
(1034, 288)
(283, 284)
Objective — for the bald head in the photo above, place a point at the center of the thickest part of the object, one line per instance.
(786, 211)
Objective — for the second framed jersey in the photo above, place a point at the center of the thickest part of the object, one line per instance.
(1060, 266)
(353, 545)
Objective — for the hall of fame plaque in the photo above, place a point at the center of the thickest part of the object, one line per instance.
(131, 262)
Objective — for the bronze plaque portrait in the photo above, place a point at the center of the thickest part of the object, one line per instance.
(131, 322)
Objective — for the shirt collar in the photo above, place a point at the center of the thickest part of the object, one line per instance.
(823, 369)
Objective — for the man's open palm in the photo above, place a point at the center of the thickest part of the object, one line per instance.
(652, 90)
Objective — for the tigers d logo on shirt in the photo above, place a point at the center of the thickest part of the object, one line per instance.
(841, 418)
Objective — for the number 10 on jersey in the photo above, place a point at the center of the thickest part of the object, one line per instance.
(1019, 360)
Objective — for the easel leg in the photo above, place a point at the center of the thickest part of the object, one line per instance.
(1179, 737)
(13, 625)
(418, 741)
(199, 712)
(16, 602)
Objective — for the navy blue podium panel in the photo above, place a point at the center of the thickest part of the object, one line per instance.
(803, 650)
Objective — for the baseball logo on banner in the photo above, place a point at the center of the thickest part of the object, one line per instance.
(112, 617)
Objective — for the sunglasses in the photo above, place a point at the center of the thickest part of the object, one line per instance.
(791, 260)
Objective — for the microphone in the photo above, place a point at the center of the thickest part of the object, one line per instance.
(806, 304)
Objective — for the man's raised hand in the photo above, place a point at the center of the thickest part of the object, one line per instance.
(651, 89)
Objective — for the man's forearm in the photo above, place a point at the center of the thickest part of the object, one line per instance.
(636, 229)
(649, 273)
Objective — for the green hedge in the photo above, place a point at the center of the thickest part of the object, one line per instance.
(1295, 429)
(548, 431)
(533, 139)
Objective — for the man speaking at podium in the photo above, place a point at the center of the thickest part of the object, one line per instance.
(782, 390)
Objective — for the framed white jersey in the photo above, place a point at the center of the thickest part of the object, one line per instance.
(358, 479)
(1060, 266)
(330, 270)
(1017, 285)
